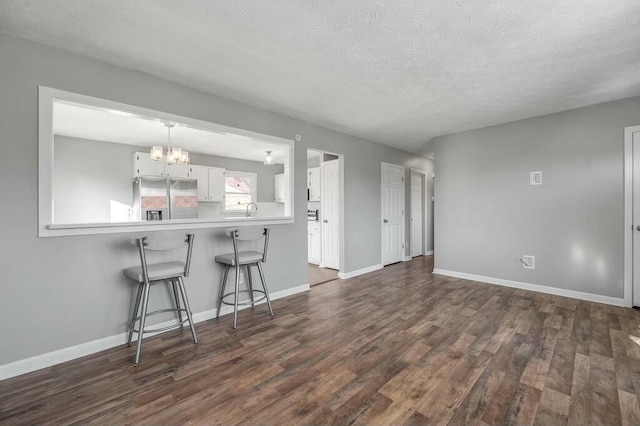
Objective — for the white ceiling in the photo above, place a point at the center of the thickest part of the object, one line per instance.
(395, 71)
(79, 121)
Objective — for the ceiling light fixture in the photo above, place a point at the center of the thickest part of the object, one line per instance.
(268, 159)
(175, 155)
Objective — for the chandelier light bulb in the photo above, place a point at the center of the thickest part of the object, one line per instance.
(156, 153)
(268, 159)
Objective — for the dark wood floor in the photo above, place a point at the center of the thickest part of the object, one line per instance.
(318, 275)
(398, 346)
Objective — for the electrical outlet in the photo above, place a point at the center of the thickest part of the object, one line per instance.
(528, 261)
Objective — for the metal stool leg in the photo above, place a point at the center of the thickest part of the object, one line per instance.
(264, 285)
(175, 296)
(237, 296)
(136, 309)
(187, 308)
(223, 284)
(143, 317)
(250, 284)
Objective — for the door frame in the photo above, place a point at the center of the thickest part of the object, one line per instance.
(425, 212)
(341, 230)
(628, 214)
(420, 177)
(404, 209)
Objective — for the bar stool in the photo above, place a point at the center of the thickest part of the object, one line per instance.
(246, 259)
(147, 275)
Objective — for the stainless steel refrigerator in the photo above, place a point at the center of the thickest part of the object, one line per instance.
(183, 198)
(160, 198)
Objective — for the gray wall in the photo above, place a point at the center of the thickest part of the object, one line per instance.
(84, 183)
(70, 290)
(487, 215)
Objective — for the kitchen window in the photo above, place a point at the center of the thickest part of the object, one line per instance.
(240, 189)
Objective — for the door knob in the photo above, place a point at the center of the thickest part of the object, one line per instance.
(325, 221)
(638, 228)
(385, 221)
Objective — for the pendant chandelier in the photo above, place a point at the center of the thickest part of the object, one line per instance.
(175, 155)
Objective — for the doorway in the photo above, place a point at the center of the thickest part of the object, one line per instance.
(324, 211)
(632, 216)
(416, 218)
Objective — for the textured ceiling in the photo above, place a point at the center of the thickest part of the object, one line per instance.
(394, 71)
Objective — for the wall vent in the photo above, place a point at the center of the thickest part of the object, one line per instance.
(535, 178)
(528, 261)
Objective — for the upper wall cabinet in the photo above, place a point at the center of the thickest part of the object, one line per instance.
(313, 183)
(143, 165)
(177, 170)
(210, 182)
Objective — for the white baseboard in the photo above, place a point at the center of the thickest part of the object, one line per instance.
(345, 275)
(534, 287)
(38, 362)
(406, 258)
(289, 292)
(429, 253)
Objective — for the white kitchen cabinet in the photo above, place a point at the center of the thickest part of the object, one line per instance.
(313, 183)
(279, 188)
(216, 184)
(143, 165)
(177, 170)
(210, 182)
(201, 174)
(314, 243)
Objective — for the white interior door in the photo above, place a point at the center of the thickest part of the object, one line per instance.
(330, 213)
(636, 219)
(392, 213)
(416, 216)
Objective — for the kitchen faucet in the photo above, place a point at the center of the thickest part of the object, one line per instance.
(249, 205)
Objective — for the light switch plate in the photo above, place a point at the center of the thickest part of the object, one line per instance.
(535, 178)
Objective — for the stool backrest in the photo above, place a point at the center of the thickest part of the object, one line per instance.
(165, 241)
(249, 233)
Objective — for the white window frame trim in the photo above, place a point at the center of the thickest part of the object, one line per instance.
(254, 189)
